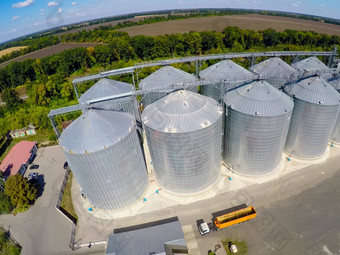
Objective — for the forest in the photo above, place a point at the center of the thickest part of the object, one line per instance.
(47, 81)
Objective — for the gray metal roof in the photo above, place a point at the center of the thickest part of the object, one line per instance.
(309, 64)
(314, 90)
(96, 130)
(181, 111)
(272, 66)
(146, 240)
(105, 87)
(335, 82)
(259, 98)
(224, 69)
(164, 77)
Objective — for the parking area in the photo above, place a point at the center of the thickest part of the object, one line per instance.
(43, 229)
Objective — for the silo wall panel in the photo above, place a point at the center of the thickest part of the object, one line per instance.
(254, 144)
(186, 162)
(336, 131)
(114, 177)
(214, 90)
(126, 104)
(310, 129)
(276, 82)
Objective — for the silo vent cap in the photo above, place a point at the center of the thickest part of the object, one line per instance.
(320, 102)
(257, 113)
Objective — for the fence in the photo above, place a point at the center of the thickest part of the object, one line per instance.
(7, 233)
(66, 214)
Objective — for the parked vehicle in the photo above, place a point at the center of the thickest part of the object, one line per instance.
(34, 166)
(204, 228)
(32, 176)
(228, 219)
(65, 165)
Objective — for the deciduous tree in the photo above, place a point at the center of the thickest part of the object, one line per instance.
(21, 192)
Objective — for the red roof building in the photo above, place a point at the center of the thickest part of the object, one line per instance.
(18, 158)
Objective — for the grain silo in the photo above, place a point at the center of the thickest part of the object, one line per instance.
(108, 87)
(335, 137)
(163, 80)
(103, 151)
(227, 71)
(312, 64)
(315, 112)
(183, 133)
(257, 123)
(275, 71)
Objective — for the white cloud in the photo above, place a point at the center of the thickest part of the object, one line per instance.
(12, 31)
(180, 2)
(80, 14)
(15, 17)
(42, 14)
(52, 4)
(23, 4)
(60, 10)
(74, 3)
(296, 4)
(42, 10)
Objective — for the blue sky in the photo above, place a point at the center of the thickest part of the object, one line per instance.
(20, 17)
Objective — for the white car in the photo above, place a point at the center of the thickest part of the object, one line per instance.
(204, 228)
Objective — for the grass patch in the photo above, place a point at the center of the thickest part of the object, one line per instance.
(7, 145)
(7, 246)
(66, 202)
(242, 247)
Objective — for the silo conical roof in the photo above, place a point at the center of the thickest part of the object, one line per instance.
(259, 98)
(164, 77)
(95, 130)
(225, 69)
(181, 111)
(309, 64)
(273, 66)
(314, 90)
(105, 87)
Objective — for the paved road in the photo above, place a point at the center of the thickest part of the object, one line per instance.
(297, 214)
(42, 229)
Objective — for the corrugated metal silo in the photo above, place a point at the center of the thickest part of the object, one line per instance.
(183, 132)
(162, 80)
(103, 151)
(274, 66)
(227, 70)
(314, 116)
(311, 64)
(257, 123)
(335, 137)
(108, 87)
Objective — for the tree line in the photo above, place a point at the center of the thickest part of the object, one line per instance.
(42, 40)
(47, 80)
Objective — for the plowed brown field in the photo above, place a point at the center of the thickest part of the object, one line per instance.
(253, 22)
(48, 51)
